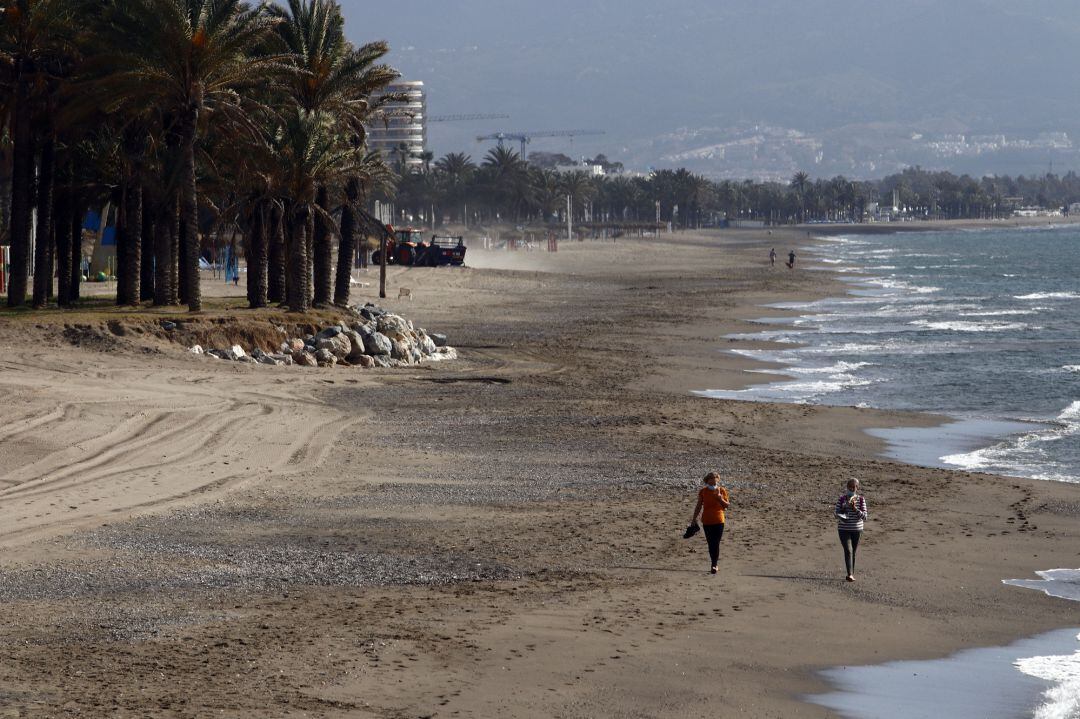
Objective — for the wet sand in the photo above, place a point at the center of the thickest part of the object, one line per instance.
(497, 536)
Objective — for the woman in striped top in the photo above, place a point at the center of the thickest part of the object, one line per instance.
(850, 515)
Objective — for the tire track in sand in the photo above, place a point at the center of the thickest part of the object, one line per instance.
(186, 443)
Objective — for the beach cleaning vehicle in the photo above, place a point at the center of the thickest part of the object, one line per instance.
(406, 246)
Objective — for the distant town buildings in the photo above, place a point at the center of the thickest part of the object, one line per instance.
(400, 131)
(590, 168)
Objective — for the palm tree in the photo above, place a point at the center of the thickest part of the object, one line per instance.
(35, 36)
(454, 172)
(371, 174)
(191, 61)
(335, 78)
(312, 153)
(800, 183)
(505, 178)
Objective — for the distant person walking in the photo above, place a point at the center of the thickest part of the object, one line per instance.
(772, 257)
(712, 501)
(791, 260)
(850, 515)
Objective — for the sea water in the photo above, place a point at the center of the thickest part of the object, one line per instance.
(982, 326)
(1037, 677)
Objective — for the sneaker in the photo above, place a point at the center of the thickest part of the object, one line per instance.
(851, 577)
(712, 571)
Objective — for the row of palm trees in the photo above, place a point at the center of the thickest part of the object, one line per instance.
(505, 187)
(189, 116)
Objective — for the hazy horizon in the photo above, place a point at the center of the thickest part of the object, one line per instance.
(752, 88)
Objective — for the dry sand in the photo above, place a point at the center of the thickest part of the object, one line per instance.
(494, 537)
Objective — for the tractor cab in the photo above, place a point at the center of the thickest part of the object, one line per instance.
(407, 235)
(407, 246)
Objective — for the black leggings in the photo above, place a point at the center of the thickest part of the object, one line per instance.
(849, 536)
(713, 534)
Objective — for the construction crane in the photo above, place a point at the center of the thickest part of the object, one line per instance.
(526, 137)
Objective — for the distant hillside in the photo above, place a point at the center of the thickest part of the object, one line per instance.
(638, 72)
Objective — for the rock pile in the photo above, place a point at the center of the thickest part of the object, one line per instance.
(373, 338)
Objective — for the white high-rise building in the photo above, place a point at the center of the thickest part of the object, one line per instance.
(403, 127)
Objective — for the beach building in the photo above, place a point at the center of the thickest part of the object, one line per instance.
(400, 133)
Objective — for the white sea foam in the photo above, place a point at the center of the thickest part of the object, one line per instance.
(1071, 414)
(1061, 583)
(817, 388)
(1050, 296)
(1019, 453)
(1000, 313)
(961, 326)
(901, 285)
(1072, 368)
(1062, 699)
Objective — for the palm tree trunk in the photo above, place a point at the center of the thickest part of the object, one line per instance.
(21, 186)
(165, 284)
(276, 281)
(62, 213)
(44, 236)
(123, 242)
(162, 259)
(190, 214)
(309, 274)
(175, 231)
(146, 260)
(127, 292)
(298, 296)
(74, 260)
(256, 259)
(347, 246)
(322, 256)
(346, 251)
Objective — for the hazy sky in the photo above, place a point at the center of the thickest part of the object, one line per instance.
(638, 68)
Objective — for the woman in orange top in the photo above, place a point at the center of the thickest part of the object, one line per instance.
(711, 503)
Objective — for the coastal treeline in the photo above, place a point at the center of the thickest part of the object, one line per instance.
(187, 116)
(503, 186)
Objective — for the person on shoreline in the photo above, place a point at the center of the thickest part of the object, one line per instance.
(791, 260)
(772, 257)
(712, 501)
(850, 515)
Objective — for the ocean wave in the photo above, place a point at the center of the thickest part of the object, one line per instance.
(1072, 368)
(839, 369)
(1060, 583)
(1050, 296)
(1001, 313)
(1062, 699)
(1026, 454)
(1071, 414)
(903, 286)
(962, 326)
(816, 388)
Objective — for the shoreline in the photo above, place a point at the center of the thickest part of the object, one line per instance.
(954, 435)
(497, 536)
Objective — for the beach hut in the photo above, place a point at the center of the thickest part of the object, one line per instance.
(103, 257)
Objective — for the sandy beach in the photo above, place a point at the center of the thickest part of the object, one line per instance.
(497, 536)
